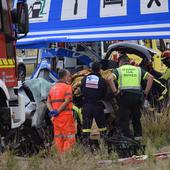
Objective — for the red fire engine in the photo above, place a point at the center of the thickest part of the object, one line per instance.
(13, 26)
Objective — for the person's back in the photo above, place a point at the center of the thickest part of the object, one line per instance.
(93, 88)
(60, 105)
(129, 77)
(59, 92)
(129, 93)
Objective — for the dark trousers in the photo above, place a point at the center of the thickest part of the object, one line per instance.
(96, 111)
(129, 109)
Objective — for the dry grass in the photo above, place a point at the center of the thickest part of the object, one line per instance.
(156, 129)
(76, 160)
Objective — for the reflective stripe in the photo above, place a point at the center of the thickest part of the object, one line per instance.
(161, 98)
(114, 75)
(120, 78)
(164, 92)
(130, 87)
(69, 136)
(7, 66)
(139, 77)
(102, 129)
(67, 109)
(7, 63)
(87, 130)
(79, 112)
(68, 94)
(64, 136)
(57, 101)
(58, 136)
(159, 83)
(138, 138)
(144, 77)
(10, 61)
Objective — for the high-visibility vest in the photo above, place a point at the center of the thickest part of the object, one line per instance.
(129, 77)
(58, 93)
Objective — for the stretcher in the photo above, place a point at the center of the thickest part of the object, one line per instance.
(136, 159)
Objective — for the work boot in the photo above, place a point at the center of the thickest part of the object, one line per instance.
(86, 140)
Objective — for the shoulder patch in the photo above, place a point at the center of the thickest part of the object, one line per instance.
(92, 81)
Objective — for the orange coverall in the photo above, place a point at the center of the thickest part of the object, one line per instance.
(64, 127)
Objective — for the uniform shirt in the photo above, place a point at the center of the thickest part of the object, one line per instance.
(166, 75)
(93, 88)
(57, 95)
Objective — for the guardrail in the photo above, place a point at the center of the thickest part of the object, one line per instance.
(29, 60)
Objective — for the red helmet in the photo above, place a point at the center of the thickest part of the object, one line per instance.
(166, 55)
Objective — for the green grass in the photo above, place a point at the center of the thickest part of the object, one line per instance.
(156, 128)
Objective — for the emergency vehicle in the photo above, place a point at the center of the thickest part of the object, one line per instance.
(13, 26)
(158, 46)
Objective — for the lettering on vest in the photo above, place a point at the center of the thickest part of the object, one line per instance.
(129, 77)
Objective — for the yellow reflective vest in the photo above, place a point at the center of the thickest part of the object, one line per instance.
(129, 77)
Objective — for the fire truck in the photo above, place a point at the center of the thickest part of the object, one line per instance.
(13, 26)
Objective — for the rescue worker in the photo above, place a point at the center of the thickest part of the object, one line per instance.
(166, 61)
(166, 76)
(129, 94)
(60, 106)
(93, 89)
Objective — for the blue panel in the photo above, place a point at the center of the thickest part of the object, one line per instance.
(136, 21)
(62, 52)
